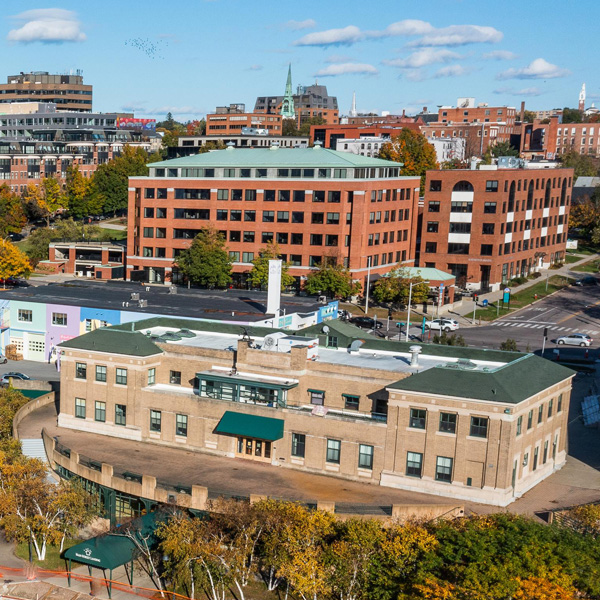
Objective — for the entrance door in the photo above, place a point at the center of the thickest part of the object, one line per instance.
(253, 449)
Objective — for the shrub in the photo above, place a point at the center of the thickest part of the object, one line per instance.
(449, 340)
(535, 275)
(509, 345)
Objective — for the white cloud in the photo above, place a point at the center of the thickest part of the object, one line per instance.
(500, 55)
(331, 37)
(47, 25)
(415, 75)
(454, 35)
(347, 69)
(422, 58)
(537, 69)
(530, 91)
(297, 25)
(451, 71)
(255, 68)
(459, 35)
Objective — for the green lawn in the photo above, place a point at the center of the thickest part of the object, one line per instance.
(592, 266)
(524, 297)
(572, 258)
(584, 248)
(53, 560)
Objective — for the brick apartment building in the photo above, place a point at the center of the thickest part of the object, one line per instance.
(552, 139)
(477, 114)
(329, 135)
(232, 119)
(315, 203)
(68, 92)
(488, 226)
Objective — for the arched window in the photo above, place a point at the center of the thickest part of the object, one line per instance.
(530, 196)
(548, 192)
(511, 197)
(563, 192)
(462, 186)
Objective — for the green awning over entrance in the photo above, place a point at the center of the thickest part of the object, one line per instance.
(252, 426)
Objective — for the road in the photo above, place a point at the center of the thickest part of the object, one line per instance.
(574, 309)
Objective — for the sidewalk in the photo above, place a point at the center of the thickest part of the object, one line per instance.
(465, 310)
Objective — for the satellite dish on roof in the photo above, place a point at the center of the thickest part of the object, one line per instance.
(355, 345)
(325, 329)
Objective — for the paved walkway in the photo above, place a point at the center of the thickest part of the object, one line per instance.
(465, 310)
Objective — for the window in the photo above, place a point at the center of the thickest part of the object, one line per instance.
(298, 196)
(121, 376)
(25, 316)
(365, 456)
(317, 397)
(461, 207)
(317, 218)
(249, 236)
(434, 206)
(250, 215)
(432, 227)
(151, 376)
(487, 249)
(489, 207)
(80, 408)
(175, 377)
(460, 228)
(297, 239)
(316, 239)
(148, 232)
(298, 445)
(247, 257)
(414, 464)
(443, 469)
(351, 402)
(559, 404)
(550, 405)
(519, 425)
(283, 216)
(284, 196)
(120, 414)
(448, 422)
(540, 413)
(431, 247)
(100, 411)
(417, 418)
(59, 319)
(491, 186)
(435, 185)
(545, 456)
(155, 420)
(535, 458)
(181, 425)
(81, 370)
(250, 195)
(148, 213)
(333, 451)
(297, 217)
(479, 427)
(530, 419)
(101, 373)
(268, 216)
(488, 229)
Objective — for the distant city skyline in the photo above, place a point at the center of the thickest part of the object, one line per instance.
(207, 53)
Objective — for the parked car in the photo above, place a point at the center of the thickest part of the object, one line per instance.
(15, 237)
(366, 322)
(442, 325)
(344, 315)
(589, 280)
(14, 375)
(575, 339)
(3, 359)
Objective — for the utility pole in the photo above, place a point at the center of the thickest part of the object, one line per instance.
(368, 285)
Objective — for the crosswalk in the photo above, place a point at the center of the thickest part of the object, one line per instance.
(551, 327)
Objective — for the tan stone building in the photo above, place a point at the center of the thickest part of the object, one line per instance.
(472, 424)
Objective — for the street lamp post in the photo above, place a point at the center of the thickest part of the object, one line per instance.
(368, 285)
(409, 303)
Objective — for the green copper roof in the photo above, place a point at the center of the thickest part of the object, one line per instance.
(511, 383)
(114, 341)
(428, 273)
(315, 157)
(253, 426)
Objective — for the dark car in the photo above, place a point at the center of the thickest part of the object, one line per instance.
(589, 280)
(15, 237)
(366, 322)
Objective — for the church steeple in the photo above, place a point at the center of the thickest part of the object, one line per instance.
(582, 98)
(287, 104)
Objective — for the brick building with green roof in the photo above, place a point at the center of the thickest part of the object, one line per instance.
(314, 203)
(465, 423)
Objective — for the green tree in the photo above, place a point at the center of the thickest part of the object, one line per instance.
(47, 197)
(412, 149)
(571, 115)
(13, 262)
(206, 262)
(449, 340)
(509, 345)
(528, 116)
(583, 165)
(289, 127)
(306, 124)
(12, 213)
(395, 288)
(503, 149)
(259, 274)
(332, 280)
(111, 180)
(77, 190)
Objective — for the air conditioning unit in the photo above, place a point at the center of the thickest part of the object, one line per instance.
(135, 295)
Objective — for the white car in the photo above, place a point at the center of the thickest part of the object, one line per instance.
(442, 324)
(575, 339)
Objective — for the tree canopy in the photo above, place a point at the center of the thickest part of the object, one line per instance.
(583, 165)
(332, 280)
(13, 262)
(206, 262)
(259, 274)
(12, 213)
(412, 149)
(396, 287)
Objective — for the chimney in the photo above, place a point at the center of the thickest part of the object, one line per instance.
(403, 112)
(522, 111)
(424, 110)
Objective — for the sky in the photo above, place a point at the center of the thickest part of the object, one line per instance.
(189, 56)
